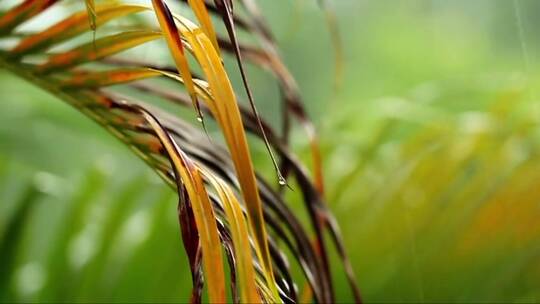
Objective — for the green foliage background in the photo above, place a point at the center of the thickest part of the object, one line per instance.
(431, 156)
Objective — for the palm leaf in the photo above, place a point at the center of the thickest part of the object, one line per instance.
(223, 202)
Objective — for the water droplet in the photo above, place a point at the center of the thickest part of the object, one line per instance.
(199, 119)
(282, 181)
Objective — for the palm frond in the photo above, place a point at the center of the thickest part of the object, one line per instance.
(223, 202)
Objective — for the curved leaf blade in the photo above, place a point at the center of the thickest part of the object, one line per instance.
(240, 238)
(188, 176)
(72, 26)
(89, 79)
(22, 13)
(201, 12)
(174, 41)
(98, 49)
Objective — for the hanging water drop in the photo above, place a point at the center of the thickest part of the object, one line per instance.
(282, 181)
(199, 119)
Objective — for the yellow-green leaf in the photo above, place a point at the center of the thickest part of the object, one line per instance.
(199, 8)
(240, 237)
(21, 13)
(107, 78)
(202, 209)
(225, 109)
(73, 26)
(101, 48)
(172, 36)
